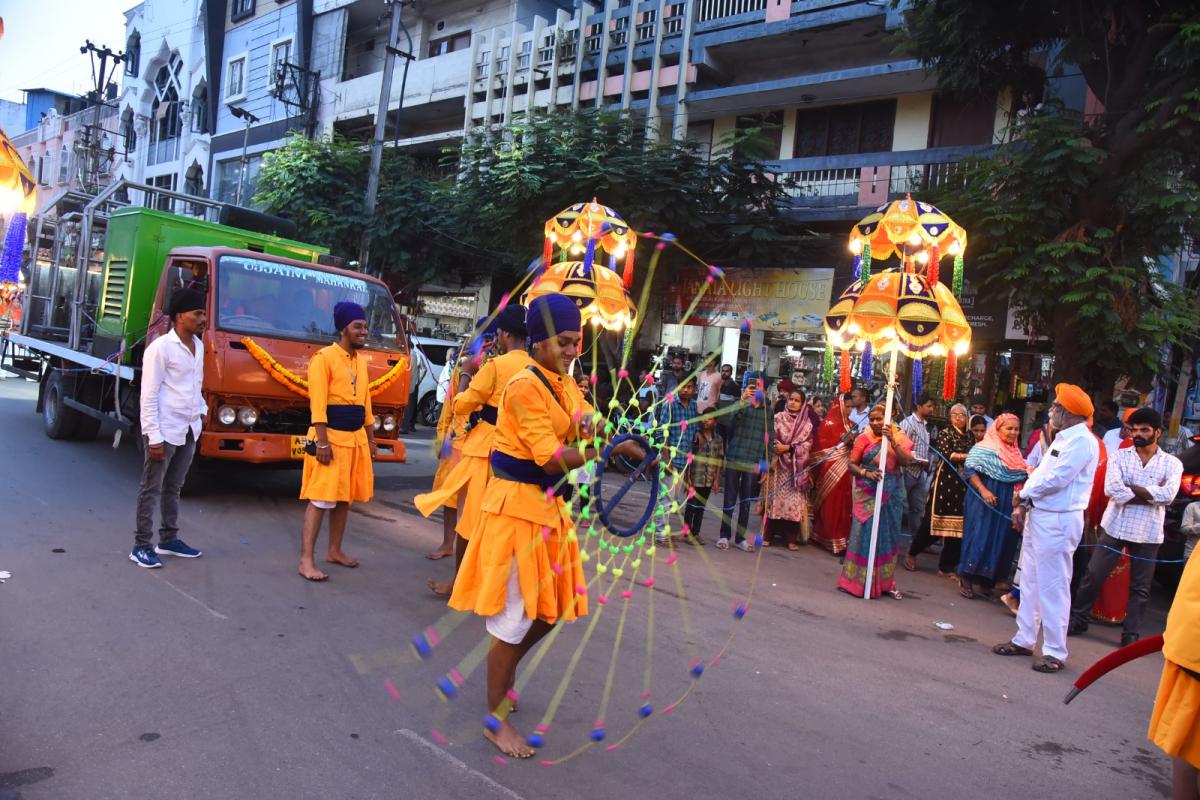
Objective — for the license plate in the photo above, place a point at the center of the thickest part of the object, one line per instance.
(298, 444)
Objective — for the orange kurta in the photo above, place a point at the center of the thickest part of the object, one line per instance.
(336, 377)
(472, 472)
(453, 428)
(1175, 723)
(518, 521)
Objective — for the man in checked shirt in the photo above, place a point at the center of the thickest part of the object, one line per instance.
(1141, 482)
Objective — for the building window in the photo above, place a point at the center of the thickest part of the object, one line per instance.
(838, 130)
(226, 180)
(163, 203)
(133, 54)
(128, 131)
(64, 165)
(448, 44)
(281, 54)
(200, 109)
(769, 125)
(164, 112)
(235, 80)
(241, 9)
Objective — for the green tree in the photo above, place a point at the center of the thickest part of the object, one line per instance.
(321, 186)
(726, 208)
(1076, 212)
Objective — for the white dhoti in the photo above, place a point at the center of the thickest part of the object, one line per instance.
(511, 624)
(1046, 562)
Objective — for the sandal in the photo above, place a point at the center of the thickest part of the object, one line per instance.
(965, 590)
(896, 595)
(1011, 649)
(1048, 665)
(745, 546)
(793, 546)
(1011, 603)
(910, 563)
(722, 543)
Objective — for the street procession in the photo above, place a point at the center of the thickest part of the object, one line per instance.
(547, 398)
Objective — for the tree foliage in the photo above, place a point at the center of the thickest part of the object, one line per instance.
(1077, 211)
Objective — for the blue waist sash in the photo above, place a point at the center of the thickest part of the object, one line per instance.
(524, 470)
(345, 417)
(487, 414)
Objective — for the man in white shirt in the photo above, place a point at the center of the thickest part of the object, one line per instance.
(708, 387)
(172, 409)
(1114, 436)
(917, 475)
(1140, 481)
(1055, 496)
(858, 409)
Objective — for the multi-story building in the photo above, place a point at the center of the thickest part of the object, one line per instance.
(164, 120)
(259, 54)
(70, 153)
(12, 116)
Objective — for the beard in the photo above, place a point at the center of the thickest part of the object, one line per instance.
(1142, 441)
(358, 345)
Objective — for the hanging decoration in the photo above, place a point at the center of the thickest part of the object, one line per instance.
(868, 359)
(299, 384)
(918, 379)
(827, 373)
(844, 382)
(18, 199)
(590, 226)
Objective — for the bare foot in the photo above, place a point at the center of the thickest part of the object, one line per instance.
(309, 571)
(440, 588)
(442, 552)
(511, 743)
(341, 558)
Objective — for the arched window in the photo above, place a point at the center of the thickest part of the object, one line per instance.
(128, 131)
(133, 54)
(164, 112)
(200, 109)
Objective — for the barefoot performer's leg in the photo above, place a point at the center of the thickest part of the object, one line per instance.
(446, 548)
(337, 529)
(502, 673)
(313, 517)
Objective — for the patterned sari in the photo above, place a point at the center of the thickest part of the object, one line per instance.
(854, 566)
(831, 528)
(949, 490)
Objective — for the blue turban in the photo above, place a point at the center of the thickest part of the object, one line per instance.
(511, 319)
(346, 312)
(550, 315)
(485, 326)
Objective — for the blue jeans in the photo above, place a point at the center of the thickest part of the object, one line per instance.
(741, 489)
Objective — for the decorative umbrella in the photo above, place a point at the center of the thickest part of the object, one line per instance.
(598, 292)
(903, 310)
(588, 229)
(18, 196)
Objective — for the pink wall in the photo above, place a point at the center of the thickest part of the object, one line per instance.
(615, 84)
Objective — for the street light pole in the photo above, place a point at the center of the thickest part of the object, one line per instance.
(250, 119)
(385, 94)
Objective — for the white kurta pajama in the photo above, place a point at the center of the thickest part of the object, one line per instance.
(1059, 489)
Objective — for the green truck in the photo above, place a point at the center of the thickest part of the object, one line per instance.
(102, 271)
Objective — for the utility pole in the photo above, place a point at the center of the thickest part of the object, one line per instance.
(385, 93)
(250, 119)
(102, 76)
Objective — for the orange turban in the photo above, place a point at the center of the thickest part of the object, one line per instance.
(1073, 399)
(1128, 413)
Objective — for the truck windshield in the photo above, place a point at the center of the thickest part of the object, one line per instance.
(265, 298)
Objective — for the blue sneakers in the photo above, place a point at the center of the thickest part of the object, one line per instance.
(144, 557)
(177, 547)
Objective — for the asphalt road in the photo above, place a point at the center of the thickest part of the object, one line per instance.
(230, 677)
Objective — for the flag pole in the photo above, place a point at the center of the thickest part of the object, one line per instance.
(883, 453)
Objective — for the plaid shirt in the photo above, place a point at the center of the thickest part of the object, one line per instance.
(671, 418)
(917, 431)
(1141, 523)
(708, 461)
(747, 428)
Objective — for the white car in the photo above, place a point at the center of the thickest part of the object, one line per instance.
(431, 359)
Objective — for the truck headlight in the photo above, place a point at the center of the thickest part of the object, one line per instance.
(378, 423)
(247, 416)
(226, 415)
(389, 424)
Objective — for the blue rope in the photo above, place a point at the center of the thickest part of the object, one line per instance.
(604, 509)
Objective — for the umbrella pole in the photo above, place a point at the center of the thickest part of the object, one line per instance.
(883, 453)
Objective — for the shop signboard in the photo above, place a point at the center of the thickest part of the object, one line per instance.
(783, 300)
(985, 314)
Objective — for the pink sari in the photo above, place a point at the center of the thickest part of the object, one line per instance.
(831, 527)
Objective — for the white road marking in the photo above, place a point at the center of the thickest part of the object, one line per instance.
(417, 738)
(195, 600)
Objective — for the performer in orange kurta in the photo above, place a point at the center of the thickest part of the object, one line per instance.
(522, 569)
(464, 485)
(337, 471)
(451, 429)
(1175, 723)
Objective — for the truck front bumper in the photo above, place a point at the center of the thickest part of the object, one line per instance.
(269, 448)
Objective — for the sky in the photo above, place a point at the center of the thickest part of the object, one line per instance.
(40, 46)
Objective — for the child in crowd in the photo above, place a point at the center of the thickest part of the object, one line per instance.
(708, 457)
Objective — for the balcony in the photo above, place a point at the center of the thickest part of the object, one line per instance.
(846, 186)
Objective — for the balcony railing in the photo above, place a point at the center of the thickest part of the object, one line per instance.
(716, 9)
(863, 180)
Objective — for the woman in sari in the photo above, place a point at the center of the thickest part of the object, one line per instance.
(865, 468)
(944, 514)
(831, 527)
(787, 481)
(996, 470)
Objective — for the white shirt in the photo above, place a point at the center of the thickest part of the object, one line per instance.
(1035, 454)
(859, 419)
(1112, 440)
(171, 398)
(1139, 522)
(1063, 479)
(1191, 526)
